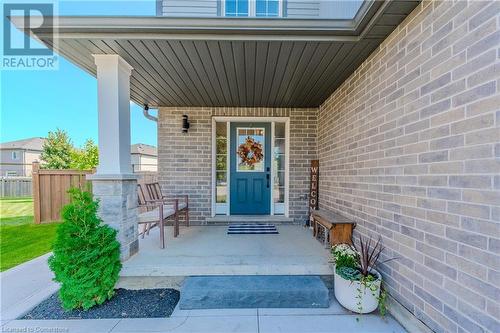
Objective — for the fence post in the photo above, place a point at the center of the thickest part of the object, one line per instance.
(35, 180)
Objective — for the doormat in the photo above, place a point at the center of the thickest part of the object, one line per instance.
(252, 229)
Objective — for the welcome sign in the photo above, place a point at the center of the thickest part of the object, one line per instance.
(313, 191)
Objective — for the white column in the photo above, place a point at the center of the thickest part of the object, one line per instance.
(113, 89)
(114, 183)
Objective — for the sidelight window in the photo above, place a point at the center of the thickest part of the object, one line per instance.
(279, 158)
(221, 163)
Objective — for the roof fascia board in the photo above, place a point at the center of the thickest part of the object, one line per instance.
(206, 37)
(125, 27)
(370, 19)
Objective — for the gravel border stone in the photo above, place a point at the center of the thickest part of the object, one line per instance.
(144, 303)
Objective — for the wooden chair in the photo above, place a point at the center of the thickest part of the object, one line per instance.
(144, 206)
(156, 213)
(154, 191)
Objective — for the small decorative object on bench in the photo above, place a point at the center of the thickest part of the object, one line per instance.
(332, 228)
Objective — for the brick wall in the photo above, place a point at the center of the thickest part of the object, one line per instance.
(184, 159)
(409, 148)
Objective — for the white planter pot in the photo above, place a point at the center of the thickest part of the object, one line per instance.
(347, 294)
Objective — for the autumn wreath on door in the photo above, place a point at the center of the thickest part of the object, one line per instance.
(250, 152)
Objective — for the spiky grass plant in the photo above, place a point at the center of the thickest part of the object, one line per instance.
(368, 254)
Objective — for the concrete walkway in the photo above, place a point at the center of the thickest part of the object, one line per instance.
(24, 286)
(28, 284)
(333, 319)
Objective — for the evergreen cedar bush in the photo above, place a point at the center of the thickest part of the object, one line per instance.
(86, 259)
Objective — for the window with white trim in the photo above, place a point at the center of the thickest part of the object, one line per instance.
(15, 155)
(252, 8)
(267, 8)
(279, 160)
(236, 8)
(221, 163)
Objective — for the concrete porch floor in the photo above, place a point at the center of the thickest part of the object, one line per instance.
(208, 250)
(21, 297)
(22, 290)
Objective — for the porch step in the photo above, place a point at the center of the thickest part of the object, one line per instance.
(228, 219)
(249, 291)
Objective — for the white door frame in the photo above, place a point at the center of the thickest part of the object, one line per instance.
(228, 121)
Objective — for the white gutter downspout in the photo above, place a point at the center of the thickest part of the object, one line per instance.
(145, 111)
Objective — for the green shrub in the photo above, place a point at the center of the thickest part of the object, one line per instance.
(86, 259)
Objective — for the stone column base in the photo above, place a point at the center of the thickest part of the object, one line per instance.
(118, 208)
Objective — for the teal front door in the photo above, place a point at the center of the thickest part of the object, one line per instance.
(250, 169)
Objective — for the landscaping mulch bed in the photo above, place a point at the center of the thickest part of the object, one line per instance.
(144, 303)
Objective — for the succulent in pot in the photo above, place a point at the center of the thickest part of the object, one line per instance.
(357, 282)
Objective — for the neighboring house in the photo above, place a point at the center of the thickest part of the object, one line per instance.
(319, 9)
(144, 157)
(17, 156)
(399, 101)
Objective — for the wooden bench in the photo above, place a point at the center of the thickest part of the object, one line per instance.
(332, 228)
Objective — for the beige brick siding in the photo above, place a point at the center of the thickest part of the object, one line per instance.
(184, 159)
(409, 147)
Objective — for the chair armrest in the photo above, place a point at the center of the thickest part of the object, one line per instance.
(162, 202)
(159, 204)
(149, 205)
(183, 197)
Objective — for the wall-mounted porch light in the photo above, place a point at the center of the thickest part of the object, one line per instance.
(185, 123)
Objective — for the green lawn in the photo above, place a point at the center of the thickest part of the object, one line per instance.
(20, 239)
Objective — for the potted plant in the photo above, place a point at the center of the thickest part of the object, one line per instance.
(357, 282)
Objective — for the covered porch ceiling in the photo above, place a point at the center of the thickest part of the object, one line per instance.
(228, 62)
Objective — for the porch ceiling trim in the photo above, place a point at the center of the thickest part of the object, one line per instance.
(217, 28)
(229, 62)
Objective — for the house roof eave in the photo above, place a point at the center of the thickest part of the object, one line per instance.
(227, 62)
(209, 28)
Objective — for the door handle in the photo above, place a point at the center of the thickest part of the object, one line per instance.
(267, 178)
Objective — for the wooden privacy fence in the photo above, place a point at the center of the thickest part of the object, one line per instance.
(15, 187)
(50, 190)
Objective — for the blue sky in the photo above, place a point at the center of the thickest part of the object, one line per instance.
(35, 102)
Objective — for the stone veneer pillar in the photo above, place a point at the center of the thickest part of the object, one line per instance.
(118, 208)
(114, 183)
